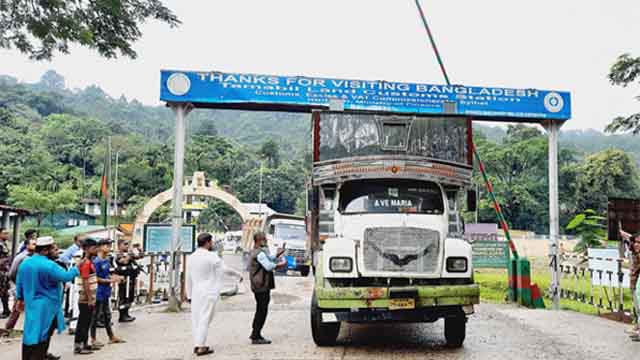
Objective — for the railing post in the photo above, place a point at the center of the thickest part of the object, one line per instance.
(152, 273)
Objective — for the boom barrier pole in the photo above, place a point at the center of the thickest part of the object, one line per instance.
(496, 204)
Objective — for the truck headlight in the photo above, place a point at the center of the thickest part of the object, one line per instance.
(457, 264)
(340, 264)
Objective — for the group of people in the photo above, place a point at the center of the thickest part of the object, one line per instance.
(40, 277)
(205, 270)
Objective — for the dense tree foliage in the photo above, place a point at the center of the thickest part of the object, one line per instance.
(53, 139)
(40, 28)
(518, 169)
(624, 72)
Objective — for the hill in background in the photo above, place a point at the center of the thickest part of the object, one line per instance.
(291, 131)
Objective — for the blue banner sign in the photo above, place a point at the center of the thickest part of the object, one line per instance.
(269, 92)
(157, 238)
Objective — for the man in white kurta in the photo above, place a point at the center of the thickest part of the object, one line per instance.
(205, 271)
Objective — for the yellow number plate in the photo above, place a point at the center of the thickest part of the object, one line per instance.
(402, 304)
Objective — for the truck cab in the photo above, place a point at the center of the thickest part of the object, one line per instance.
(288, 229)
(384, 223)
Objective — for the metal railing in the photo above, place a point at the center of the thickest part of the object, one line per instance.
(605, 290)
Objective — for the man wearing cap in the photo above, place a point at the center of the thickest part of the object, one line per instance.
(39, 289)
(30, 248)
(105, 279)
(88, 283)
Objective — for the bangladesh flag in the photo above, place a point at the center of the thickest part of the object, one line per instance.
(104, 190)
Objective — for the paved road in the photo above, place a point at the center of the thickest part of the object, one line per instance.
(495, 332)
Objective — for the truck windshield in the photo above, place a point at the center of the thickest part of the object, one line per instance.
(387, 196)
(288, 232)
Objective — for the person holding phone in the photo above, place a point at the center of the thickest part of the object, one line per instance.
(261, 266)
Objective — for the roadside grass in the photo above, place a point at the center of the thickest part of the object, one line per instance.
(493, 289)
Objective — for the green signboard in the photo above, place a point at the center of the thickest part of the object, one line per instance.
(157, 238)
(490, 254)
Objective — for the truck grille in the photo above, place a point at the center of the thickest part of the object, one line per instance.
(401, 249)
(296, 253)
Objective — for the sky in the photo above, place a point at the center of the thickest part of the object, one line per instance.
(546, 44)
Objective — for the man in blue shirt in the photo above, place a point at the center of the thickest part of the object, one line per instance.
(261, 268)
(105, 279)
(39, 288)
(68, 254)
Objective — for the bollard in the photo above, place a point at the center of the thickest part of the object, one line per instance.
(538, 301)
(523, 281)
(512, 293)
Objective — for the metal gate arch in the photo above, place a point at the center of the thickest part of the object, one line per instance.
(197, 186)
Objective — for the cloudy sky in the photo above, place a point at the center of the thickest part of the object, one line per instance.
(545, 44)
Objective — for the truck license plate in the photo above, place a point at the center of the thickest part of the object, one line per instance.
(402, 304)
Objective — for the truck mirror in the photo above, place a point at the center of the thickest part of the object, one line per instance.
(471, 200)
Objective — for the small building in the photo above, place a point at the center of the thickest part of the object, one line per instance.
(94, 207)
(98, 231)
(11, 219)
(66, 219)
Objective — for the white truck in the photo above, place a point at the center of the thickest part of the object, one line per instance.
(384, 223)
(290, 229)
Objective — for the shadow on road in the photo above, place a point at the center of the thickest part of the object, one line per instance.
(403, 337)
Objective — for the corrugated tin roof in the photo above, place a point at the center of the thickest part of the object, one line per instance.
(14, 210)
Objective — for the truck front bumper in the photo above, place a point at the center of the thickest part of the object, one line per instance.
(376, 298)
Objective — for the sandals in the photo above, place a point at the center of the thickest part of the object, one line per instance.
(116, 340)
(82, 351)
(203, 351)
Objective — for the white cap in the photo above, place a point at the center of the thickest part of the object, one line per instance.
(44, 241)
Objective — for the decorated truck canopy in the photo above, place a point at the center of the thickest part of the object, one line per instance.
(213, 89)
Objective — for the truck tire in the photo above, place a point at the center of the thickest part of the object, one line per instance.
(324, 334)
(455, 329)
(304, 271)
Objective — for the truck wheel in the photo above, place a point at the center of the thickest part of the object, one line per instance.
(455, 329)
(324, 334)
(304, 271)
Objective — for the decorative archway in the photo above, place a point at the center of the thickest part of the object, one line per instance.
(197, 186)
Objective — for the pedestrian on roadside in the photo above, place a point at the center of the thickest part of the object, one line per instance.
(5, 265)
(87, 283)
(261, 266)
(30, 249)
(126, 267)
(71, 292)
(634, 275)
(29, 234)
(72, 295)
(39, 289)
(70, 252)
(103, 294)
(205, 270)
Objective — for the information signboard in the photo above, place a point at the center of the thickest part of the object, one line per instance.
(157, 238)
(301, 93)
(490, 254)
